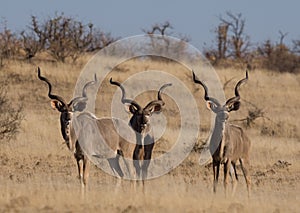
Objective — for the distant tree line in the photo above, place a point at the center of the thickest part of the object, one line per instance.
(65, 39)
(232, 45)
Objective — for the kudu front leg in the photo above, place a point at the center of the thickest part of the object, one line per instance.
(86, 170)
(136, 161)
(234, 177)
(80, 170)
(216, 170)
(146, 161)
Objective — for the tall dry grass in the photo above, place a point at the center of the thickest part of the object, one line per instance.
(39, 173)
(274, 93)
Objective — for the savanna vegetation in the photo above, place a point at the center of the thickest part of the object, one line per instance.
(39, 172)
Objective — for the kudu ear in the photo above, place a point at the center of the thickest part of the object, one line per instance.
(79, 106)
(211, 106)
(56, 105)
(129, 108)
(234, 103)
(156, 108)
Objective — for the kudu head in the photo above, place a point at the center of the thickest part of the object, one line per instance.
(140, 120)
(222, 111)
(66, 109)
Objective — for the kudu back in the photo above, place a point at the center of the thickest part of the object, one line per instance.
(229, 143)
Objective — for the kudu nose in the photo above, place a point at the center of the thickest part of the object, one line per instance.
(143, 126)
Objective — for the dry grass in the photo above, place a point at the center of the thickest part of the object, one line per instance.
(38, 173)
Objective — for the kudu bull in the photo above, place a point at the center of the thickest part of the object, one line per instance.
(229, 142)
(78, 104)
(140, 123)
(66, 110)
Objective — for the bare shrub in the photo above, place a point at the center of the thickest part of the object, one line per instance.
(296, 46)
(278, 57)
(257, 118)
(279, 129)
(100, 40)
(9, 44)
(64, 37)
(159, 29)
(31, 44)
(10, 116)
(231, 39)
(238, 40)
(164, 44)
(254, 112)
(34, 40)
(282, 60)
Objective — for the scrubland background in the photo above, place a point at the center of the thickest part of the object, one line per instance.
(38, 172)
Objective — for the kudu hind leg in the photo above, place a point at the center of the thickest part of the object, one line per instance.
(227, 166)
(234, 177)
(245, 165)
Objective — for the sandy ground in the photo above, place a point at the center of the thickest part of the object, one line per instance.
(33, 181)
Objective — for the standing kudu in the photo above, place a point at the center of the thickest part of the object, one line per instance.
(66, 110)
(228, 143)
(140, 123)
(116, 146)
